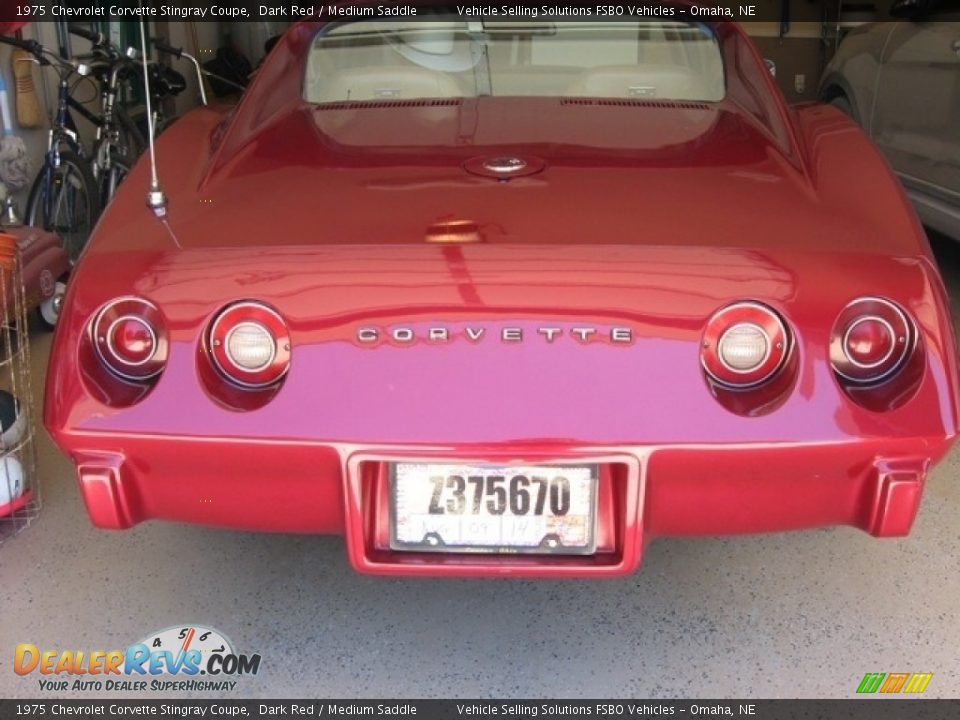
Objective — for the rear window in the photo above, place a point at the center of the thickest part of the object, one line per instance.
(371, 61)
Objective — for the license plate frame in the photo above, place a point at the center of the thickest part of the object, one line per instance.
(490, 468)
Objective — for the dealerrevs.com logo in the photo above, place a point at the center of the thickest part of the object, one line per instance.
(180, 658)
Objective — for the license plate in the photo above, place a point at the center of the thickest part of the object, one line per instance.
(440, 507)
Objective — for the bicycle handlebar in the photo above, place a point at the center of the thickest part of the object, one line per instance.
(46, 57)
(98, 39)
(31, 46)
(165, 48)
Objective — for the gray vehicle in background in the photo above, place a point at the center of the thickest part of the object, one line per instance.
(900, 80)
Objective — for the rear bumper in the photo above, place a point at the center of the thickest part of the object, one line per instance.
(645, 492)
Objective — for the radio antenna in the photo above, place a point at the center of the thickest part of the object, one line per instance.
(156, 199)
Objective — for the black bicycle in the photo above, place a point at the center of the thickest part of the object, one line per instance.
(121, 129)
(118, 142)
(64, 198)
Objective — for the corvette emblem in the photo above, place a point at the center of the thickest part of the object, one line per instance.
(508, 334)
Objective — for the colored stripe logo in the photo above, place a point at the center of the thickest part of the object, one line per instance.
(913, 683)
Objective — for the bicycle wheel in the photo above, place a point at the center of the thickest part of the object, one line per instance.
(65, 200)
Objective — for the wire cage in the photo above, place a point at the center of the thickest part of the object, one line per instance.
(19, 489)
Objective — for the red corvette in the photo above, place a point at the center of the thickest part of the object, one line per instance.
(508, 298)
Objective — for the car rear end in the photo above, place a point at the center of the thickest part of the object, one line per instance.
(516, 335)
(546, 417)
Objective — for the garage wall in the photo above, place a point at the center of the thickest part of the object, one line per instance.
(800, 55)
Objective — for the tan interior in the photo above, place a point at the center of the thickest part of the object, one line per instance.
(653, 81)
(385, 83)
(365, 67)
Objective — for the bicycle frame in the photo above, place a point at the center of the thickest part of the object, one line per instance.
(79, 107)
(62, 133)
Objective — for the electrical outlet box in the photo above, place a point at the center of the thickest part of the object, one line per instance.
(800, 83)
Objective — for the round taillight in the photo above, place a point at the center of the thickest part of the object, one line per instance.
(871, 339)
(250, 345)
(744, 345)
(129, 336)
(131, 340)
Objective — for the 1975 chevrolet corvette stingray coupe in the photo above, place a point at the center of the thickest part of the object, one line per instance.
(508, 298)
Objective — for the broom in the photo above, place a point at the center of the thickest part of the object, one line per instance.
(29, 114)
(14, 161)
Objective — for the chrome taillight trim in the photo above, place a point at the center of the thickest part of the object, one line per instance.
(216, 341)
(907, 343)
(779, 340)
(101, 339)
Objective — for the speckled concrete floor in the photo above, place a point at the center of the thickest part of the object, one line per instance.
(802, 614)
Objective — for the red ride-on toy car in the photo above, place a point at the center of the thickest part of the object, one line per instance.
(44, 272)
